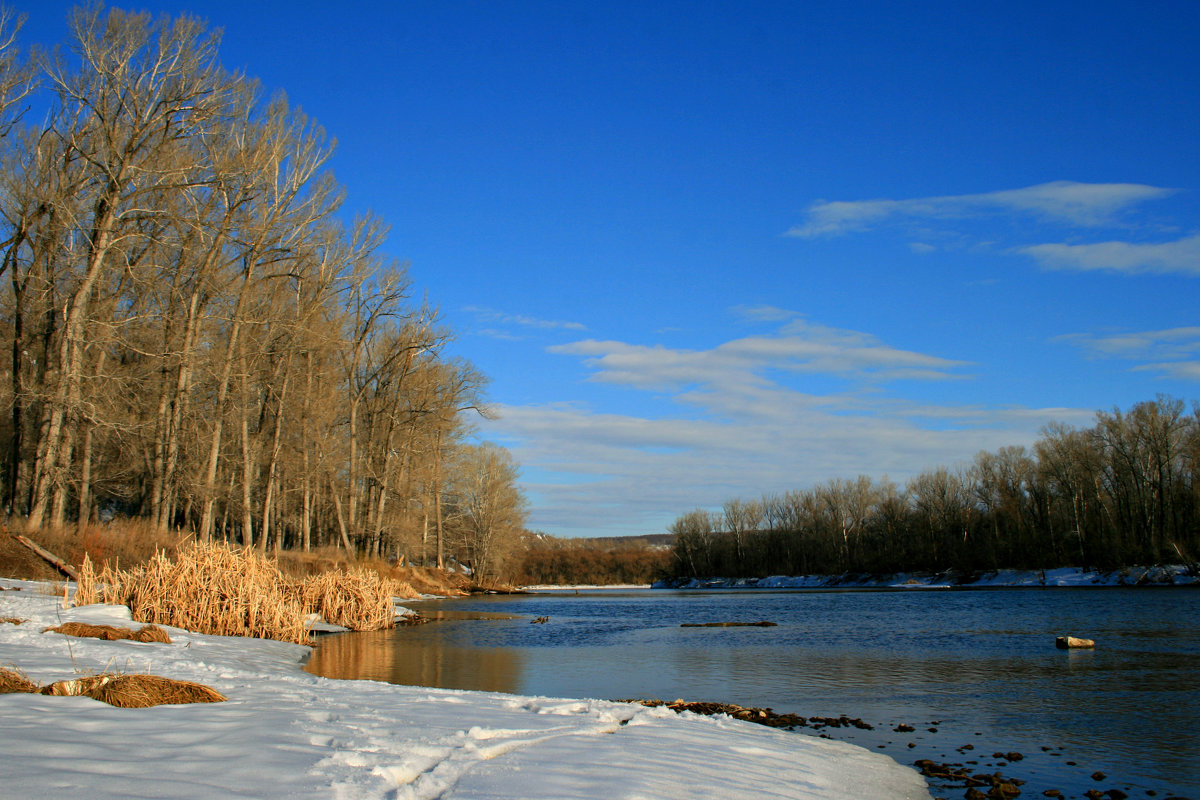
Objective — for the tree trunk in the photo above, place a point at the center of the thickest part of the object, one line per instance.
(272, 463)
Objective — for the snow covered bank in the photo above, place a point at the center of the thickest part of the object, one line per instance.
(1176, 575)
(286, 733)
(590, 587)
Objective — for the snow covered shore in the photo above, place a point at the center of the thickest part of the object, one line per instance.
(284, 732)
(1065, 576)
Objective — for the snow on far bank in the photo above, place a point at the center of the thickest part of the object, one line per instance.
(1173, 575)
(284, 732)
(569, 587)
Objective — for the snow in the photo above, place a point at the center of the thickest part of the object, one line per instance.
(284, 732)
(582, 587)
(1171, 575)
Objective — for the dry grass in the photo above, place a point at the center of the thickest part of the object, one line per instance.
(134, 691)
(418, 580)
(208, 588)
(358, 599)
(212, 588)
(13, 681)
(148, 633)
(427, 580)
(12, 620)
(122, 691)
(129, 541)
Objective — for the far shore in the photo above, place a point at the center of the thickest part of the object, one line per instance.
(1171, 575)
(1175, 575)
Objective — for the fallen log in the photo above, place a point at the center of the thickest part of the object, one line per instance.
(53, 560)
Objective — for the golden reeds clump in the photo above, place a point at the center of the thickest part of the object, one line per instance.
(358, 599)
(213, 588)
(134, 691)
(13, 681)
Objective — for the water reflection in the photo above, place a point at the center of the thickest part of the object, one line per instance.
(980, 663)
(426, 657)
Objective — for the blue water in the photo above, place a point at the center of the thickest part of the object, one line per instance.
(980, 666)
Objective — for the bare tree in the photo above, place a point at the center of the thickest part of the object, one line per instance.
(141, 89)
(491, 510)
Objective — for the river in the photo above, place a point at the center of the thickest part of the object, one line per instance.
(973, 672)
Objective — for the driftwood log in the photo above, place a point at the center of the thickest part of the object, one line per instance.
(1072, 643)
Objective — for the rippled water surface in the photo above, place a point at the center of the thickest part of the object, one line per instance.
(980, 666)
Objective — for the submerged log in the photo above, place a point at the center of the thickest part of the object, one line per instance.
(1072, 643)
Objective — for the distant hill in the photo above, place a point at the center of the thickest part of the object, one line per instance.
(656, 540)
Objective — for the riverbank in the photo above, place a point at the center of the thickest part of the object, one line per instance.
(1169, 575)
(283, 732)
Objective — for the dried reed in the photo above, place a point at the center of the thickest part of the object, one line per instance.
(358, 599)
(212, 588)
(134, 691)
(13, 681)
(148, 633)
(12, 620)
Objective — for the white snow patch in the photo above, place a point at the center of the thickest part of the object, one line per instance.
(286, 733)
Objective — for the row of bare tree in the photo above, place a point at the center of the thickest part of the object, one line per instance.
(550, 560)
(196, 336)
(1125, 491)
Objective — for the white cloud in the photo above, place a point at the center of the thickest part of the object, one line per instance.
(636, 474)
(1171, 352)
(799, 347)
(1179, 256)
(495, 317)
(1179, 370)
(764, 313)
(1083, 204)
(741, 422)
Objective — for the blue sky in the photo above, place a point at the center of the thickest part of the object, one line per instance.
(709, 250)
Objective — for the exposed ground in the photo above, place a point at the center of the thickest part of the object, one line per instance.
(131, 544)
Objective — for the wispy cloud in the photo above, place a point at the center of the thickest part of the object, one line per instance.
(1081, 204)
(635, 474)
(1180, 256)
(1171, 352)
(495, 319)
(743, 418)
(799, 346)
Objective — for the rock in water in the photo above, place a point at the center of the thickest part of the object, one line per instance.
(1072, 643)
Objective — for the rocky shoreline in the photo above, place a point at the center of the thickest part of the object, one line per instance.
(943, 774)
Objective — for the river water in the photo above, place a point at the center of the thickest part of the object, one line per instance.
(974, 672)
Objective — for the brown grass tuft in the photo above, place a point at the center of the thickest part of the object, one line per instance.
(111, 633)
(135, 691)
(12, 620)
(152, 633)
(13, 681)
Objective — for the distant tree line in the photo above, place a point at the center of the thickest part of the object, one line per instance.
(196, 338)
(549, 560)
(1125, 491)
